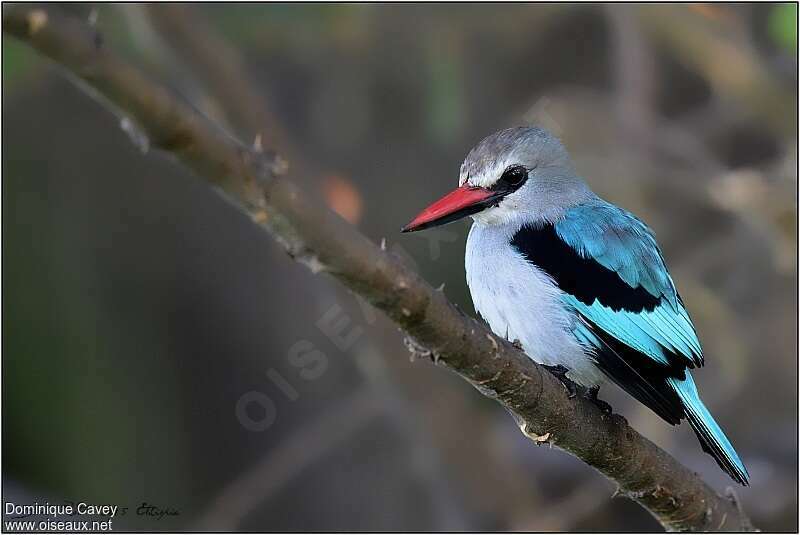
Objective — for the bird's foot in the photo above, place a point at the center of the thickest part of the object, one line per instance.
(591, 395)
(561, 374)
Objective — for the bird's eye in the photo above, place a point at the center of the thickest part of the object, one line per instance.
(514, 175)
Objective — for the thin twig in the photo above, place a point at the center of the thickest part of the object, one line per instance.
(730, 66)
(222, 69)
(290, 457)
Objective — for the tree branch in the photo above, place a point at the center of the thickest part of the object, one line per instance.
(221, 67)
(256, 181)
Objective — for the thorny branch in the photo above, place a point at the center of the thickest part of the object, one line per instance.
(256, 181)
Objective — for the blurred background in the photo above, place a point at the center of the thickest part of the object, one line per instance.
(158, 349)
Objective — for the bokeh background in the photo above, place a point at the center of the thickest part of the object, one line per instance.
(159, 349)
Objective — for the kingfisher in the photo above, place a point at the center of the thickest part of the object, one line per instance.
(579, 283)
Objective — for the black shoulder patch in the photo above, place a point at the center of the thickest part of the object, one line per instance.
(585, 278)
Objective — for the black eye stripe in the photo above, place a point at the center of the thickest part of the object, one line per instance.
(512, 179)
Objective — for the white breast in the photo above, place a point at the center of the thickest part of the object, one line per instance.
(521, 302)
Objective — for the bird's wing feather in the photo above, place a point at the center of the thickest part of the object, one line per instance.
(625, 246)
(607, 263)
(611, 272)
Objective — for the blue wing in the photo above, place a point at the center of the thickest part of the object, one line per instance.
(623, 245)
(612, 273)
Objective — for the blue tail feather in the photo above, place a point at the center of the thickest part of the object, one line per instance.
(711, 436)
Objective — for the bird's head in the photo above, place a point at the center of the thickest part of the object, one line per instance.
(516, 175)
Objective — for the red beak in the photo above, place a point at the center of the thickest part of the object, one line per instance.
(464, 201)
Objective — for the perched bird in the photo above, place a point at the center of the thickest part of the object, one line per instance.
(580, 283)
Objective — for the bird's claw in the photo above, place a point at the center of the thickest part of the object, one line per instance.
(591, 395)
(561, 374)
(572, 389)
